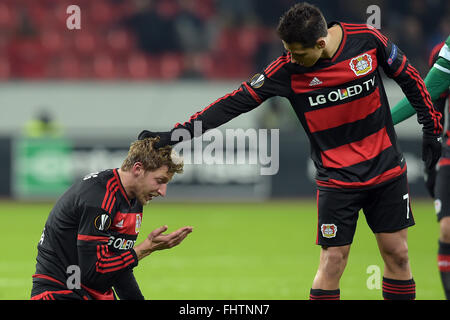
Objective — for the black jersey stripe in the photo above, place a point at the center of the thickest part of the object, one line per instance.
(107, 192)
(276, 62)
(384, 42)
(356, 152)
(384, 167)
(277, 67)
(252, 92)
(106, 264)
(349, 132)
(356, 28)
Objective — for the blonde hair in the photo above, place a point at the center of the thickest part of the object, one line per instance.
(143, 151)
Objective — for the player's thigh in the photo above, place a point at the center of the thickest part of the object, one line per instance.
(337, 217)
(442, 193)
(387, 208)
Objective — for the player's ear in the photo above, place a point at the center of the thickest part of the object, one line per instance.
(138, 168)
(321, 43)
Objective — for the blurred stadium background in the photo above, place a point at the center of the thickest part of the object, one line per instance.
(71, 101)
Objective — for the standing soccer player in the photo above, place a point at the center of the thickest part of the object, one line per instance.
(331, 74)
(94, 225)
(437, 180)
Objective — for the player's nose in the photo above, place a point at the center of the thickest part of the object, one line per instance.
(162, 190)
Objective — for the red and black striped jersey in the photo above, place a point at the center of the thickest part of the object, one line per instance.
(341, 104)
(93, 226)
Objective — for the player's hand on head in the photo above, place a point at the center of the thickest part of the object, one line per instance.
(164, 138)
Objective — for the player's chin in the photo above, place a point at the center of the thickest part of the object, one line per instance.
(144, 199)
(309, 64)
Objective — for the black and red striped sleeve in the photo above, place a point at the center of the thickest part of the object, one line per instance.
(272, 81)
(440, 102)
(396, 66)
(99, 266)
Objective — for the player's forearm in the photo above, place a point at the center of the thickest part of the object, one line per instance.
(219, 112)
(127, 288)
(100, 267)
(415, 90)
(402, 111)
(435, 82)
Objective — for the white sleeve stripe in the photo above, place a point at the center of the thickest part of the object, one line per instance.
(445, 52)
(441, 68)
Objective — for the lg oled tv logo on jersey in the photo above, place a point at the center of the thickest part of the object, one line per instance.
(361, 65)
(121, 243)
(341, 94)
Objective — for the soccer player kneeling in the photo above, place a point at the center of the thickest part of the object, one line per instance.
(94, 225)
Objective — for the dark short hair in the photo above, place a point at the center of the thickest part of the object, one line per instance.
(302, 23)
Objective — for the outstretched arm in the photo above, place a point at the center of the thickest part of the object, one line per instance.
(273, 81)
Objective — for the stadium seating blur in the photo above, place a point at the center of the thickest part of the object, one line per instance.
(171, 39)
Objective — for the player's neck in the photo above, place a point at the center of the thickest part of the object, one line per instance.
(126, 180)
(333, 40)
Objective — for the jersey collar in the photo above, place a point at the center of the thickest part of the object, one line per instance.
(343, 39)
(121, 188)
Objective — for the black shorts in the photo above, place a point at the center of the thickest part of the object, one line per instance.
(48, 290)
(442, 193)
(386, 208)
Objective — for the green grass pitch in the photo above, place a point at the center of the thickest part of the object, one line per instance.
(237, 251)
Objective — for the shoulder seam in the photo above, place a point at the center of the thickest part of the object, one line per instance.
(362, 28)
(277, 64)
(109, 199)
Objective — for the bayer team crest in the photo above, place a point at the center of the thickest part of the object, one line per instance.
(361, 65)
(328, 230)
(437, 205)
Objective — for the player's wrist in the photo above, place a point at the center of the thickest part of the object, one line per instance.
(142, 251)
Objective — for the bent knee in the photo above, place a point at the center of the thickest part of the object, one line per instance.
(397, 257)
(334, 259)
